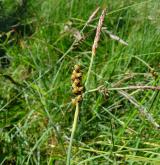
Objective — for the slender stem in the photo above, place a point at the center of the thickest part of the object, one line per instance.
(137, 87)
(72, 2)
(89, 70)
(141, 109)
(145, 63)
(91, 17)
(72, 134)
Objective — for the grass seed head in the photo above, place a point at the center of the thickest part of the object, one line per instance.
(77, 88)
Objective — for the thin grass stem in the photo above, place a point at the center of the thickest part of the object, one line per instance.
(72, 134)
(136, 87)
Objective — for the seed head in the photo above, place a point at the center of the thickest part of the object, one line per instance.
(77, 88)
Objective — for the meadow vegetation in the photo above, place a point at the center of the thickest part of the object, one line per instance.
(118, 122)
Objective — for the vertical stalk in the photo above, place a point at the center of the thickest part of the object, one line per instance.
(72, 134)
(89, 70)
(95, 44)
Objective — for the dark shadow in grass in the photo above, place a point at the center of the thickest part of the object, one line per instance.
(12, 23)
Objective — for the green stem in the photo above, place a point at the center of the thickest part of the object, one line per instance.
(89, 70)
(72, 134)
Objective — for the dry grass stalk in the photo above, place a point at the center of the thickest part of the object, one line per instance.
(95, 44)
(75, 41)
(141, 109)
(91, 17)
(116, 38)
(98, 32)
(137, 87)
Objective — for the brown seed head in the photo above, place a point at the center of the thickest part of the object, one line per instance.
(77, 89)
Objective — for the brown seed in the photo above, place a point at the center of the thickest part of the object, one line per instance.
(75, 90)
(74, 72)
(77, 68)
(76, 81)
(79, 98)
(74, 102)
(80, 89)
(78, 75)
(73, 77)
(74, 85)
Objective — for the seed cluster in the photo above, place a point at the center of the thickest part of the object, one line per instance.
(77, 88)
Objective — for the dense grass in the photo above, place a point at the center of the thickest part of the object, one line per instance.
(35, 109)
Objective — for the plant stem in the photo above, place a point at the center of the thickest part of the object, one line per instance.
(141, 109)
(137, 87)
(89, 70)
(72, 134)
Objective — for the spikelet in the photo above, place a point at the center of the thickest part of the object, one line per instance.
(77, 88)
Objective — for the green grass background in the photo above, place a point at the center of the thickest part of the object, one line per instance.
(36, 116)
